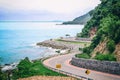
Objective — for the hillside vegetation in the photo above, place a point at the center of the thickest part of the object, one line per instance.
(81, 19)
(106, 19)
(26, 68)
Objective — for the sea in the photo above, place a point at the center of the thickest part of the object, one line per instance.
(18, 39)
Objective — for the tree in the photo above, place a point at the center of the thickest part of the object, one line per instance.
(24, 67)
(67, 35)
(3, 76)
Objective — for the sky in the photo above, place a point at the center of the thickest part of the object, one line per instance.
(45, 10)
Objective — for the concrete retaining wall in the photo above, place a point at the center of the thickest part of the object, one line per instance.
(103, 66)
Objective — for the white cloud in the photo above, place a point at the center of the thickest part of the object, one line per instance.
(56, 6)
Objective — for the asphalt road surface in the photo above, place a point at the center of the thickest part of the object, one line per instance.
(66, 67)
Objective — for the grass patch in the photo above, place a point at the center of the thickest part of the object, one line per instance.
(27, 69)
(83, 55)
(105, 57)
(101, 57)
(74, 42)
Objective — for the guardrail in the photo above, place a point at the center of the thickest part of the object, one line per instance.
(67, 73)
(63, 72)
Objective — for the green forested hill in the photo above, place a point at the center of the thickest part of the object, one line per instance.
(81, 19)
(106, 18)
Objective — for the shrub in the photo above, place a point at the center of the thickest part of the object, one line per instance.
(3, 76)
(83, 55)
(58, 51)
(78, 35)
(105, 57)
(87, 50)
(80, 49)
(111, 45)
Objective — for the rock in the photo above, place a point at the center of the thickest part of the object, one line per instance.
(117, 52)
(101, 48)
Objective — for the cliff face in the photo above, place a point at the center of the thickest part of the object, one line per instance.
(117, 52)
(92, 32)
(101, 48)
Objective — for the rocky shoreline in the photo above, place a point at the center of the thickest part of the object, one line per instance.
(59, 45)
(52, 44)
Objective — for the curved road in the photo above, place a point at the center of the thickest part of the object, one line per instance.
(64, 61)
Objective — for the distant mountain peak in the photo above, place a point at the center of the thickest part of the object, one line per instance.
(81, 19)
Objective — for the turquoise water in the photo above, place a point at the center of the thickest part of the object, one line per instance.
(17, 39)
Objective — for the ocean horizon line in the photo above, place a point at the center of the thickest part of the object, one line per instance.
(32, 21)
